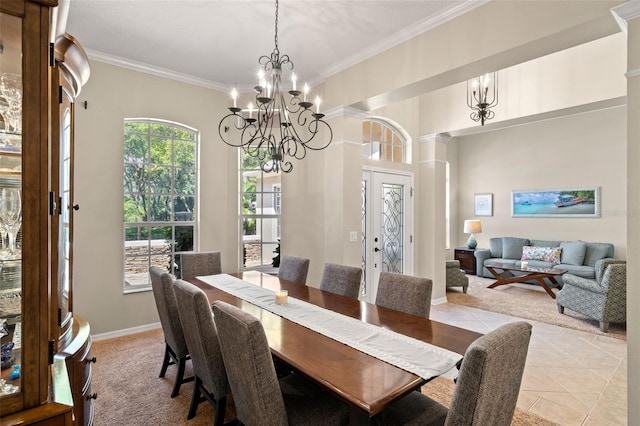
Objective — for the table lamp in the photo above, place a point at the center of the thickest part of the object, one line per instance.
(472, 227)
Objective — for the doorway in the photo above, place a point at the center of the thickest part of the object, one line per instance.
(386, 227)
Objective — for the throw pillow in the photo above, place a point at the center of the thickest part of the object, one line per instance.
(512, 247)
(595, 252)
(573, 252)
(546, 254)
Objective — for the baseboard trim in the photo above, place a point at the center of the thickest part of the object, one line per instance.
(125, 332)
(439, 301)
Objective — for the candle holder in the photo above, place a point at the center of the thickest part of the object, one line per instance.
(281, 297)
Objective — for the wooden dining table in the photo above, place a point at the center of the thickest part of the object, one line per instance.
(367, 384)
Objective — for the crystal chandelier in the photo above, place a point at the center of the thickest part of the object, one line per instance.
(284, 125)
(482, 94)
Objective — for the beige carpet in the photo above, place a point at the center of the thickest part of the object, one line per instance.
(526, 301)
(125, 378)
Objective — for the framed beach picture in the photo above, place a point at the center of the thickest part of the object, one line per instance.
(565, 202)
(483, 205)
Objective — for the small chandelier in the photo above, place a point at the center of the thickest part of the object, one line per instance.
(285, 123)
(482, 94)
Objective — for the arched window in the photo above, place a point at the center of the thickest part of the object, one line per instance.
(383, 141)
(160, 196)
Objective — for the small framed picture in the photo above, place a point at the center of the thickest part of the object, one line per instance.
(483, 205)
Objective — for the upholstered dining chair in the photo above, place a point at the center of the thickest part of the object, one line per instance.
(487, 388)
(200, 332)
(200, 263)
(603, 299)
(411, 295)
(175, 348)
(260, 398)
(293, 268)
(341, 279)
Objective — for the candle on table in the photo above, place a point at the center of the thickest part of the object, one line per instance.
(281, 297)
(524, 264)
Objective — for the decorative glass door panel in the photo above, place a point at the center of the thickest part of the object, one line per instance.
(392, 232)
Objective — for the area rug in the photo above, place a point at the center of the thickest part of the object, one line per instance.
(527, 301)
(129, 392)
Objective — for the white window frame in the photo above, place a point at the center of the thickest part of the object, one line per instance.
(139, 281)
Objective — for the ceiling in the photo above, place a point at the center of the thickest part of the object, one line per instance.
(217, 43)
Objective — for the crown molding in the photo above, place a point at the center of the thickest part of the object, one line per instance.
(436, 137)
(626, 12)
(153, 70)
(400, 37)
(345, 111)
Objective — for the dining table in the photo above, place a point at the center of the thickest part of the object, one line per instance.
(364, 382)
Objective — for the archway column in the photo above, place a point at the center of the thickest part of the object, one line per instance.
(431, 221)
(628, 16)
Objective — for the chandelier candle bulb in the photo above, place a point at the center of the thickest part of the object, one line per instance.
(250, 110)
(306, 92)
(318, 104)
(234, 95)
(293, 80)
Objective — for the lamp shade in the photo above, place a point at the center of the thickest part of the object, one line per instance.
(472, 227)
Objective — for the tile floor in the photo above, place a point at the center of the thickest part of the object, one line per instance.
(571, 377)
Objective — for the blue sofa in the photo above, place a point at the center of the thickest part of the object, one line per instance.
(576, 257)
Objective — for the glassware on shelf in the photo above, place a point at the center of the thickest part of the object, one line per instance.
(11, 90)
(11, 217)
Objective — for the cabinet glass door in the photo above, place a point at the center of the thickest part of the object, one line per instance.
(10, 202)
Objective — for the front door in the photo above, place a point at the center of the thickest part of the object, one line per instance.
(386, 227)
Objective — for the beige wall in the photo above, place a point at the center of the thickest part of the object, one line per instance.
(586, 150)
(114, 94)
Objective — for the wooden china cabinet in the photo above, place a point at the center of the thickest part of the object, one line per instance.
(39, 81)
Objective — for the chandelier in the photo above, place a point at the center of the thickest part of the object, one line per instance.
(482, 94)
(284, 125)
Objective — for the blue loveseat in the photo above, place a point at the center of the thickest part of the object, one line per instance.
(576, 257)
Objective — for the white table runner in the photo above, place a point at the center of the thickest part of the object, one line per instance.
(420, 358)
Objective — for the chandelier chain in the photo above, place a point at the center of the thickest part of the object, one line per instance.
(276, 36)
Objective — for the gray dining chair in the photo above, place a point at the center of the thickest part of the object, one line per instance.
(197, 264)
(487, 388)
(411, 295)
(293, 268)
(260, 398)
(175, 348)
(341, 279)
(200, 333)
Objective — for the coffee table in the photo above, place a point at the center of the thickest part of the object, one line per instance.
(529, 274)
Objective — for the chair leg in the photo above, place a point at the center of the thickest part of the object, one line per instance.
(221, 406)
(561, 309)
(604, 326)
(464, 290)
(179, 377)
(195, 398)
(166, 361)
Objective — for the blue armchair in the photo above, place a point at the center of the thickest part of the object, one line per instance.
(603, 299)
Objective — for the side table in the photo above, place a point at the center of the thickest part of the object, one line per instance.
(467, 259)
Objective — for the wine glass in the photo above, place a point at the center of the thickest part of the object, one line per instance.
(11, 214)
(11, 90)
(4, 112)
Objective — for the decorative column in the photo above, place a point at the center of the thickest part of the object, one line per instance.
(628, 16)
(431, 199)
